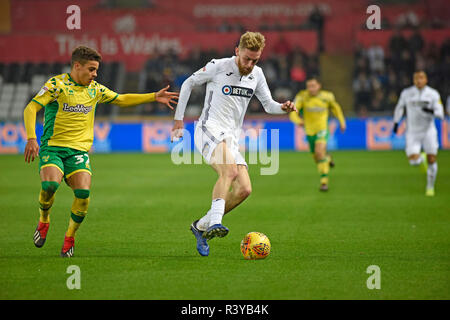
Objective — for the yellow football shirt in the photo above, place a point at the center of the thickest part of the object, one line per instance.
(315, 110)
(70, 110)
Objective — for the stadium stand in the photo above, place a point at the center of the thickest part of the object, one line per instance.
(148, 44)
(381, 72)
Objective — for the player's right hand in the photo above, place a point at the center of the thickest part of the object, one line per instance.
(31, 150)
(177, 130)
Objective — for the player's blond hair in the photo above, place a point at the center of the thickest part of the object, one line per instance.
(253, 41)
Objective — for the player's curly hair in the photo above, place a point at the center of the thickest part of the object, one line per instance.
(83, 54)
(253, 41)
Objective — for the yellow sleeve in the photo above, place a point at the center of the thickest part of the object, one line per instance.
(48, 93)
(294, 116)
(298, 101)
(133, 99)
(106, 95)
(29, 118)
(337, 110)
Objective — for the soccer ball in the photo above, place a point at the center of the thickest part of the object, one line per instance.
(255, 245)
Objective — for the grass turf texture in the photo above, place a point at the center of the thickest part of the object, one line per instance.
(135, 242)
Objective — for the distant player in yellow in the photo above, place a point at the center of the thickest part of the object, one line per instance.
(313, 105)
(70, 101)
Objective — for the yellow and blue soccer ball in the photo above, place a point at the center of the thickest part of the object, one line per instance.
(255, 245)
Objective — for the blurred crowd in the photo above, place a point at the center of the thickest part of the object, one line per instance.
(285, 71)
(379, 76)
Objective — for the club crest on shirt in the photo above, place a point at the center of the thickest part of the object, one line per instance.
(237, 91)
(91, 92)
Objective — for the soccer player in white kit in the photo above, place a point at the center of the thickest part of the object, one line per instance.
(422, 104)
(230, 84)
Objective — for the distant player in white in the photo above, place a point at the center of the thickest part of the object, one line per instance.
(230, 84)
(422, 104)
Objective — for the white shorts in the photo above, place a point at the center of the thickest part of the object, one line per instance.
(206, 139)
(427, 140)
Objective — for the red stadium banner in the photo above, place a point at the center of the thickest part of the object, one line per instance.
(136, 48)
(342, 19)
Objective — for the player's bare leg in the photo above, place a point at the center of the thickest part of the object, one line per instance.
(210, 224)
(50, 180)
(241, 188)
(222, 161)
(323, 163)
(431, 174)
(80, 183)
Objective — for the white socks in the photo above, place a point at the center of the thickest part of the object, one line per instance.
(203, 223)
(431, 175)
(214, 215)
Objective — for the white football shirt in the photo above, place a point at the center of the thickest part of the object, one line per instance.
(413, 99)
(227, 93)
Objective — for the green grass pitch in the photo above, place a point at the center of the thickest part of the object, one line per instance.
(135, 242)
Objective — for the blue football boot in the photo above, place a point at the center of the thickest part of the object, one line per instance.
(202, 245)
(216, 230)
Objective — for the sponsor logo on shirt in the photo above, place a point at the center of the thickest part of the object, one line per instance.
(316, 109)
(420, 104)
(237, 91)
(79, 108)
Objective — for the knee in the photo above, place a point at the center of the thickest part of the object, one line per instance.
(431, 159)
(414, 159)
(49, 187)
(318, 156)
(81, 193)
(245, 192)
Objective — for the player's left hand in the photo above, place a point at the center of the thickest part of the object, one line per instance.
(167, 97)
(343, 128)
(288, 106)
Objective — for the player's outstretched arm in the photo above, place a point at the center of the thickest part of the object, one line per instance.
(133, 99)
(29, 119)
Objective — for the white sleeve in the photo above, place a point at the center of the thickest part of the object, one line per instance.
(198, 78)
(438, 108)
(263, 94)
(400, 108)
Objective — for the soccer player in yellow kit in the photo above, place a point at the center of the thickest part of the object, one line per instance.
(70, 101)
(314, 105)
